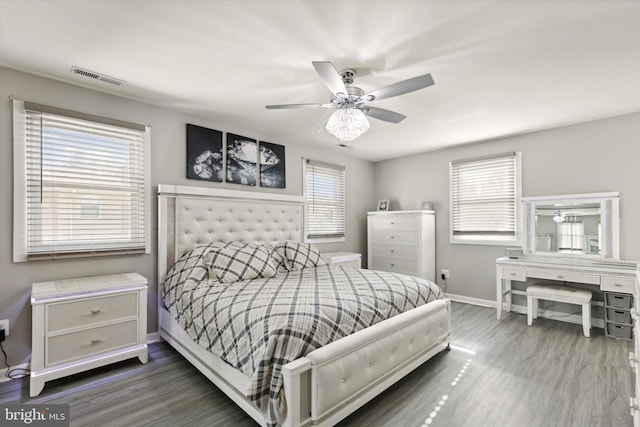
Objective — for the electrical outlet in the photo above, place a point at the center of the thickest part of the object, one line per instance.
(4, 324)
(444, 274)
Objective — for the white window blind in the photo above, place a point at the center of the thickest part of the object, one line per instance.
(325, 192)
(484, 198)
(85, 183)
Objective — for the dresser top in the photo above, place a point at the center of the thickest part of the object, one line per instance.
(424, 212)
(86, 285)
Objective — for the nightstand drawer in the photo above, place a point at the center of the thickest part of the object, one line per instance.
(90, 311)
(78, 345)
(617, 284)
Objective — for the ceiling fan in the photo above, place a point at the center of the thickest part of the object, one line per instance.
(349, 122)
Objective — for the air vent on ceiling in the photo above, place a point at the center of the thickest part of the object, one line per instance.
(96, 76)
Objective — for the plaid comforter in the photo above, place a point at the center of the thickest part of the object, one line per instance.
(259, 325)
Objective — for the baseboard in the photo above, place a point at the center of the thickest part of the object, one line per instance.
(3, 372)
(471, 300)
(152, 337)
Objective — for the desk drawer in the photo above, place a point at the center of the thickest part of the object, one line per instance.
(78, 345)
(565, 276)
(617, 284)
(513, 273)
(90, 311)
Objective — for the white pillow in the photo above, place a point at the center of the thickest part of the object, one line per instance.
(302, 255)
(236, 263)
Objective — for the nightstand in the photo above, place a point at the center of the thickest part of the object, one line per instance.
(85, 323)
(347, 259)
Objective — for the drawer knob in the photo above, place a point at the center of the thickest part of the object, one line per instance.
(96, 340)
(513, 274)
(96, 311)
(392, 250)
(392, 265)
(393, 237)
(560, 277)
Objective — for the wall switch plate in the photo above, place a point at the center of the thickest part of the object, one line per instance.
(4, 324)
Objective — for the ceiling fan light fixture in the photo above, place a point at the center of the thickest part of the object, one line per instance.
(347, 124)
(559, 217)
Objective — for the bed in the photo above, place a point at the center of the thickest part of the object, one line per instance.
(324, 385)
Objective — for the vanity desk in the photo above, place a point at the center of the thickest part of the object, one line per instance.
(608, 275)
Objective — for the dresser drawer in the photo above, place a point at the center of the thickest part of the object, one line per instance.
(566, 276)
(513, 273)
(90, 311)
(394, 222)
(401, 251)
(77, 345)
(617, 284)
(396, 265)
(404, 237)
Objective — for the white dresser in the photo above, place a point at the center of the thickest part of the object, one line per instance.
(402, 242)
(81, 324)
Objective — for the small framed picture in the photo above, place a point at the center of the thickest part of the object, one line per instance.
(383, 205)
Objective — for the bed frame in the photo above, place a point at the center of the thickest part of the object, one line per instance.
(329, 383)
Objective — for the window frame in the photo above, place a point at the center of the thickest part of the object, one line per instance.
(21, 251)
(517, 239)
(307, 220)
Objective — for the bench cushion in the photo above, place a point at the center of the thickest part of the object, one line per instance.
(544, 291)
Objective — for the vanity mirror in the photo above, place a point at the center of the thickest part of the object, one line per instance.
(574, 225)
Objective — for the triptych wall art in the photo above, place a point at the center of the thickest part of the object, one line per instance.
(247, 160)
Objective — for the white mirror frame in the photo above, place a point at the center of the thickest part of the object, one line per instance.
(609, 220)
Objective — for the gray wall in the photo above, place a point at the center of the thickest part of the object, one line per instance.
(597, 156)
(168, 157)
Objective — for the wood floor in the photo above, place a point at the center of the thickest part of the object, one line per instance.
(498, 373)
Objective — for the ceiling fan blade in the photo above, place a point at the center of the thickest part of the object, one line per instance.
(330, 76)
(382, 114)
(278, 107)
(400, 88)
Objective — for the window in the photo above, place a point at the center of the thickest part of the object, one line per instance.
(571, 237)
(485, 200)
(324, 191)
(81, 184)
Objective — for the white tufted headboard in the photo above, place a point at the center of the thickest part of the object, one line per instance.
(189, 216)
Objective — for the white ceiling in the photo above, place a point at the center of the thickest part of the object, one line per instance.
(500, 67)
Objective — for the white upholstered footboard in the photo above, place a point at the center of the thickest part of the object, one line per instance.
(351, 371)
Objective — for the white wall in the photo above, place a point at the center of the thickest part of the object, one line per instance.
(598, 156)
(168, 158)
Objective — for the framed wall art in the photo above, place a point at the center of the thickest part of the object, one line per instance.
(272, 165)
(204, 154)
(242, 160)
